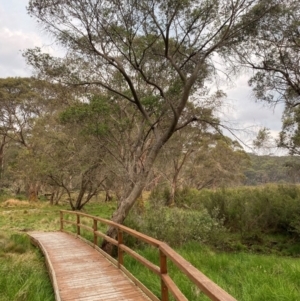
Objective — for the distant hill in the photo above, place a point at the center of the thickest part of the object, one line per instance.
(272, 169)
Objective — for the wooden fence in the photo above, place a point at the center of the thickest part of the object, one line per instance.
(207, 286)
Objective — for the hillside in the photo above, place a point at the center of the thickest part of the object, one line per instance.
(272, 169)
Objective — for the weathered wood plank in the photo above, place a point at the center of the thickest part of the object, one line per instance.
(81, 273)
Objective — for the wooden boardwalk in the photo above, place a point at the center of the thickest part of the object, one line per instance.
(81, 273)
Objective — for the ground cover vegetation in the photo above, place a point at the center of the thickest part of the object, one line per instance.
(206, 246)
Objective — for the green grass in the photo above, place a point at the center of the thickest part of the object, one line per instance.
(247, 277)
(23, 274)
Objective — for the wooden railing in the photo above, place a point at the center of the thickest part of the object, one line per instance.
(207, 286)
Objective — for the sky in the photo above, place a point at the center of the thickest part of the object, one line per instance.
(18, 32)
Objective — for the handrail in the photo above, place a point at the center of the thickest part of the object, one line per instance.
(207, 286)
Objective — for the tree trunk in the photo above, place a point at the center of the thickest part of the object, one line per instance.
(108, 197)
(33, 191)
(2, 155)
(122, 211)
(171, 201)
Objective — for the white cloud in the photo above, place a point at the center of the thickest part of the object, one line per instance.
(12, 43)
(18, 31)
(246, 115)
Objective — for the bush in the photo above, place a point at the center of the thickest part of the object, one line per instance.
(177, 226)
(250, 211)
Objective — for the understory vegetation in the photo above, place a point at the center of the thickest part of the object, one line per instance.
(246, 240)
(263, 219)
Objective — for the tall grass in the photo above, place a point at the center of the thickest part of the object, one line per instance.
(23, 275)
(247, 277)
(262, 219)
(22, 271)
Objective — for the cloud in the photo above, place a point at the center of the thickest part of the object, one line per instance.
(18, 31)
(249, 111)
(12, 43)
(245, 115)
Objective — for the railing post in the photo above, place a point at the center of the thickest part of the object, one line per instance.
(95, 235)
(163, 270)
(120, 252)
(61, 214)
(78, 223)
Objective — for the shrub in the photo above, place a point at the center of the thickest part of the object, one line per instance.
(177, 226)
(250, 211)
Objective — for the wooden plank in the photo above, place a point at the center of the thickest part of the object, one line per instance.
(50, 267)
(139, 284)
(212, 290)
(109, 239)
(86, 227)
(79, 272)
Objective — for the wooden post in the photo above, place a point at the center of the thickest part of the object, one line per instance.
(61, 214)
(95, 235)
(78, 223)
(120, 252)
(163, 270)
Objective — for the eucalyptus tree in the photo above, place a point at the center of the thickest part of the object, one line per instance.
(184, 145)
(17, 107)
(152, 54)
(220, 162)
(22, 100)
(66, 161)
(114, 126)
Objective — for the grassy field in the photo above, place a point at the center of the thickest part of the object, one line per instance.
(246, 276)
(23, 275)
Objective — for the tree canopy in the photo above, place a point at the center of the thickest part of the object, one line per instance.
(152, 58)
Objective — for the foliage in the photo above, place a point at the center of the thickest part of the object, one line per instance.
(250, 214)
(176, 226)
(23, 274)
(253, 212)
(289, 137)
(30, 282)
(272, 52)
(237, 273)
(272, 169)
(153, 56)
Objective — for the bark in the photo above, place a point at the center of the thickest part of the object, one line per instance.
(177, 167)
(121, 213)
(108, 196)
(171, 201)
(128, 201)
(3, 142)
(33, 191)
